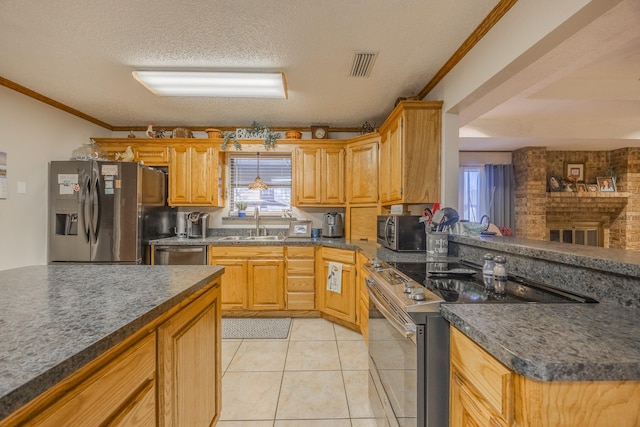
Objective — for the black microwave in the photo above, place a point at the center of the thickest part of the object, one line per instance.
(402, 233)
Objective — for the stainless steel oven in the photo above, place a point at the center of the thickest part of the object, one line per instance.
(408, 352)
(409, 340)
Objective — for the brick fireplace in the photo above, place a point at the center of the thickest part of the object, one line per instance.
(616, 215)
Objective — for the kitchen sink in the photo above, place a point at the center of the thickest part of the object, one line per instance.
(251, 238)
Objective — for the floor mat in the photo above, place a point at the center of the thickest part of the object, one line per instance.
(260, 328)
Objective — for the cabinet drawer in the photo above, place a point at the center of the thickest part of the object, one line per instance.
(493, 380)
(339, 255)
(300, 267)
(123, 390)
(301, 301)
(301, 284)
(300, 251)
(248, 252)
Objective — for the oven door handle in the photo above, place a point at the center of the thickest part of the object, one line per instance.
(406, 329)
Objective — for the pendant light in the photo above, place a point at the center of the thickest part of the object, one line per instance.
(257, 183)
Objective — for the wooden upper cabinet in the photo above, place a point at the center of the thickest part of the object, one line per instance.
(152, 155)
(332, 176)
(362, 163)
(307, 170)
(150, 152)
(319, 176)
(194, 176)
(410, 148)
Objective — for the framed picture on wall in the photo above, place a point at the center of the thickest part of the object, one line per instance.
(554, 183)
(575, 171)
(606, 183)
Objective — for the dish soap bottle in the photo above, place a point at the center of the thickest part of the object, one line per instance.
(500, 275)
(487, 271)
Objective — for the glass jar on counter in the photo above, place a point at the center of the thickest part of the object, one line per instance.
(499, 275)
(487, 271)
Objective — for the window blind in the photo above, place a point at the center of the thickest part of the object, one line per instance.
(275, 171)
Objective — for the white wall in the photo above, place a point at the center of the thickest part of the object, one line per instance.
(515, 42)
(33, 134)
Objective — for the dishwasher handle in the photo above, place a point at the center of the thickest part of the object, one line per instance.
(179, 249)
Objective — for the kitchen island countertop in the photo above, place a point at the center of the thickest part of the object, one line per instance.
(555, 342)
(55, 319)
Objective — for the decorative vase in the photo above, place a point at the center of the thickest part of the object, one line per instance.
(213, 133)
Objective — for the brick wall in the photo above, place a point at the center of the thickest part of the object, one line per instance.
(620, 216)
(529, 165)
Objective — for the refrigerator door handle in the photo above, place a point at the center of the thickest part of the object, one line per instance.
(95, 217)
(84, 190)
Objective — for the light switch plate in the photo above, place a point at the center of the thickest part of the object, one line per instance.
(22, 187)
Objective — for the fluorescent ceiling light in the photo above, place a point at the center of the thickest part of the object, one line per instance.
(209, 83)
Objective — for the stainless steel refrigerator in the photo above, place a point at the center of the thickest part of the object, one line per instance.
(97, 210)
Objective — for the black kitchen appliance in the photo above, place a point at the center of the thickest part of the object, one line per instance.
(402, 233)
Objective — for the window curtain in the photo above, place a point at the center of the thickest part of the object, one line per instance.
(499, 194)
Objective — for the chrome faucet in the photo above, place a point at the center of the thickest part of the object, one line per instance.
(256, 215)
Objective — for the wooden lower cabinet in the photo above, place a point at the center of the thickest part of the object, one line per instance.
(363, 297)
(254, 276)
(484, 392)
(341, 305)
(122, 393)
(300, 278)
(167, 374)
(189, 365)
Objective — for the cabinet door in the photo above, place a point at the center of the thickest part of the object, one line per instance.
(340, 305)
(396, 169)
(189, 364)
(384, 186)
(308, 189)
(234, 283)
(179, 176)
(266, 284)
(362, 161)
(112, 149)
(332, 177)
(468, 411)
(203, 175)
(152, 155)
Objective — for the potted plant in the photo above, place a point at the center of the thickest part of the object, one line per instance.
(242, 207)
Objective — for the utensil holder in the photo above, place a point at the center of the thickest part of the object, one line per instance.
(437, 244)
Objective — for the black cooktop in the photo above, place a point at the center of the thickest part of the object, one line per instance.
(469, 288)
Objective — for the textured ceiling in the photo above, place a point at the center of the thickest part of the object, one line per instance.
(82, 52)
(583, 93)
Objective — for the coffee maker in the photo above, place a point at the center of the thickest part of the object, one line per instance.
(332, 225)
(197, 225)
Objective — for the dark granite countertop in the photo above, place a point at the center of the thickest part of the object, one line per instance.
(617, 261)
(555, 342)
(55, 319)
(550, 342)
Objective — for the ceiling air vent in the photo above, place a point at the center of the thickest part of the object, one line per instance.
(362, 64)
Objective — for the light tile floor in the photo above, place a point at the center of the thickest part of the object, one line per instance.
(318, 376)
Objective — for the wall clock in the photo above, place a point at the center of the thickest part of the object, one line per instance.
(319, 132)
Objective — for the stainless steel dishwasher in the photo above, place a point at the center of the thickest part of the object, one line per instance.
(180, 255)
